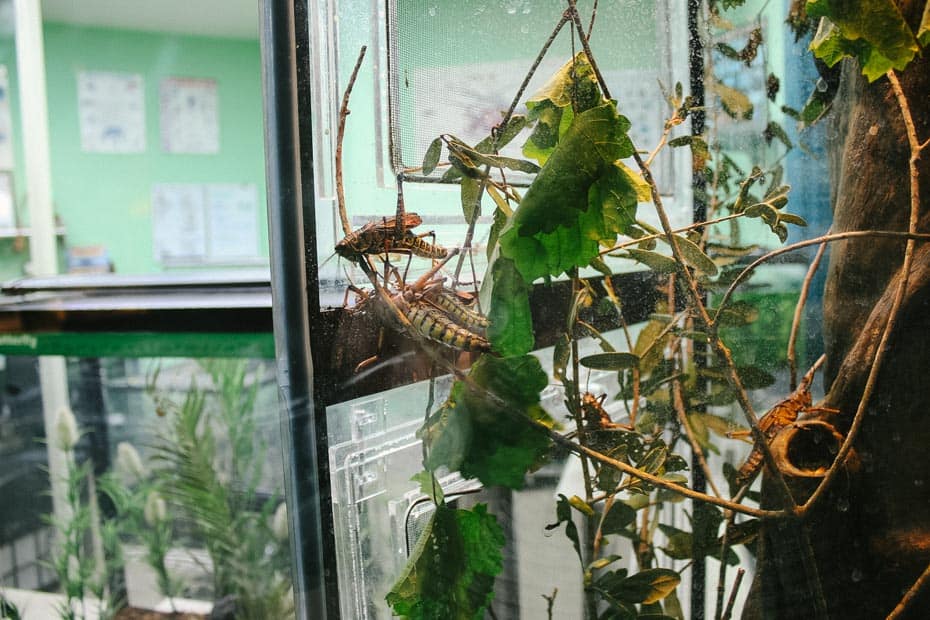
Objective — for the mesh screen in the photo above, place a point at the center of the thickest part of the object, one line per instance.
(454, 68)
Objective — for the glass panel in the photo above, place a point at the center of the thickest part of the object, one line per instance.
(535, 436)
(166, 486)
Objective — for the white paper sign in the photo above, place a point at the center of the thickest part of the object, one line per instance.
(6, 122)
(232, 213)
(112, 112)
(189, 116)
(197, 223)
(178, 222)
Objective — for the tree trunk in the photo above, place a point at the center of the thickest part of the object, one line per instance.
(871, 536)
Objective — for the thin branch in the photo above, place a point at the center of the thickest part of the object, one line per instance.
(340, 135)
(639, 240)
(660, 482)
(798, 310)
(695, 446)
(732, 600)
(910, 595)
(830, 238)
(576, 19)
(893, 313)
(591, 24)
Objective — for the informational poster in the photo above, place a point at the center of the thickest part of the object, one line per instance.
(204, 223)
(6, 122)
(178, 222)
(232, 216)
(111, 107)
(189, 116)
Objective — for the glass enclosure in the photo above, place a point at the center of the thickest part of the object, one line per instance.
(464, 309)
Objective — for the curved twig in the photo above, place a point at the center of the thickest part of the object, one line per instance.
(340, 135)
(796, 320)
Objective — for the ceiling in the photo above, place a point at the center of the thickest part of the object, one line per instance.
(218, 18)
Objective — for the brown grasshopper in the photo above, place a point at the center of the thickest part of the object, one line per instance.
(383, 237)
(782, 415)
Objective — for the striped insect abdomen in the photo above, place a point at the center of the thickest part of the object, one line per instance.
(418, 246)
(459, 312)
(434, 325)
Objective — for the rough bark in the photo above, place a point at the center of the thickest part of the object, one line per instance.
(871, 536)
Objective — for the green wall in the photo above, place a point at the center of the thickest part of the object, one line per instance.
(106, 198)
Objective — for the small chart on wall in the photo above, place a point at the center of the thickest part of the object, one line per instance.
(111, 107)
(205, 224)
(189, 116)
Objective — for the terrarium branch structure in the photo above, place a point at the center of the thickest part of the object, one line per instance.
(661, 235)
(728, 613)
(661, 482)
(899, 296)
(796, 319)
(909, 596)
(793, 247)
(725, 354)
(340, 137)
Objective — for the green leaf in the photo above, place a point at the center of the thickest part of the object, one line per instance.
(739, 313)
(618, 518)
(648, 586)
(432, 156)
(563, 514)
(792, 218)
(429, 486)
(500, 220)
(485, 429)
(550, 254)
(471, 195)
(679, 545)
(619, 191)
(610, 361)
(600, 563)
(505, 135)
(581, 506)
(575, 79)
(873, 31)
(451, 572)
(695, 256)
(595, 140)
(659, 263)
(775, 131)
(734, 102)
(511, 321)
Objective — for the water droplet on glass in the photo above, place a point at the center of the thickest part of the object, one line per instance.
(857, 575)
(918, 482)
(433, 11)
(822, 85)
(524, 29)
(511, 10)
(842, 505)
(527, 8)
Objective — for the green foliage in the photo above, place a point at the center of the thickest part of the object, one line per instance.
(872, 31)
(450, 575)
(485, 429)
(511, 329)
(81, 575)
(216, 489)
